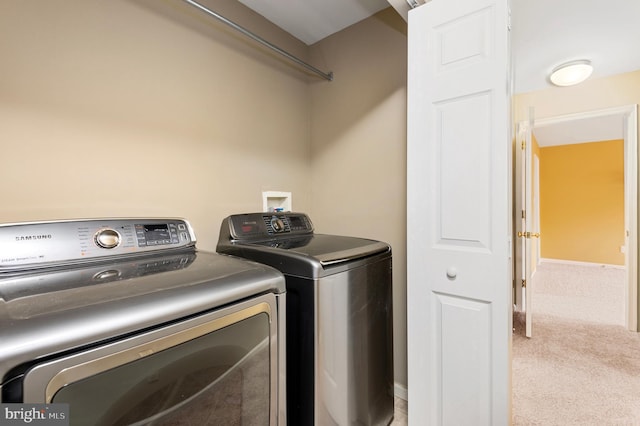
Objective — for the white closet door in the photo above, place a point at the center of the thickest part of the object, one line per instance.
(459, 214)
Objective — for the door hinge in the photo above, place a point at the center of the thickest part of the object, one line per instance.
(523, 145)
(524, 283)
(524, 215)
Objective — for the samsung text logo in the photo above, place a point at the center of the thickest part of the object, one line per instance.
(33, 237)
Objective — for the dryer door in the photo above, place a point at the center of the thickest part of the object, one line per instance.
(219, 368)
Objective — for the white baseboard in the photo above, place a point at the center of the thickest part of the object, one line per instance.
(400, 391)
(575, 262)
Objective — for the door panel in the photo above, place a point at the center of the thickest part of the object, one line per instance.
(528, 227)
(462, 326)
(525, 229)
(459, 163)
(459, 214)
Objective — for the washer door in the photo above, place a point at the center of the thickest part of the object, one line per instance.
(219, 368)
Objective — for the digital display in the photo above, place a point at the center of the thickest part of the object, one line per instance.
(156, 232)
(246, 227)
(297, 222)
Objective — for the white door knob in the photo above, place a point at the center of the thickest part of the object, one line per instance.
(452, 272)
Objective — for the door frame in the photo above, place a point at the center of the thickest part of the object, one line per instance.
(629, 113)
(535, 227)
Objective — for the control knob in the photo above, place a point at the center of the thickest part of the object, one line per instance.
(107, 238)
(277, 224)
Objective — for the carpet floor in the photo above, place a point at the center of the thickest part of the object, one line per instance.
(581, 367)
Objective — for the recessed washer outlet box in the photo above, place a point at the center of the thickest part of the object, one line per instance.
(276, 201)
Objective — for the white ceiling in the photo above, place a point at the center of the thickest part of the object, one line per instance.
(313, 20)
(545, 33)
(594, 129)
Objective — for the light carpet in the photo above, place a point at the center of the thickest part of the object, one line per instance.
(581, 367)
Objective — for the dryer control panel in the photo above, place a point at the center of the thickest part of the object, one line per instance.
(261, 226)
(39, 244)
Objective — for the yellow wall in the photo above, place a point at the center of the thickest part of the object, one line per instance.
(582, 202)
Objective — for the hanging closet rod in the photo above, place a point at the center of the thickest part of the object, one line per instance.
(328, 76)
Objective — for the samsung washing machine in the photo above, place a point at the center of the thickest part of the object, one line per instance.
(339, 316)
(123, 321)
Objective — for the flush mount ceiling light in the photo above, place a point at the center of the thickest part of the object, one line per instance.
(571, 73)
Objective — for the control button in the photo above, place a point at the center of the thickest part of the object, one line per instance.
(184, 236)
(182, 227)
(107, 238)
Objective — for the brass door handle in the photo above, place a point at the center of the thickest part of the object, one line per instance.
(528, 234)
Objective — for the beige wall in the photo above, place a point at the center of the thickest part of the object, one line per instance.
(150, 108)
(146, 108)
(593, 94)
(358, 141)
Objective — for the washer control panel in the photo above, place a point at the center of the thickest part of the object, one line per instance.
(28, 245)
(260, 226)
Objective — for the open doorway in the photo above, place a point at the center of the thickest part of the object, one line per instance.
(598, 125)
(580, 271)
(601, 125)
(564, 355)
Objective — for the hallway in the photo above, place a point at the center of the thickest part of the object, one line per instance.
(581, 366)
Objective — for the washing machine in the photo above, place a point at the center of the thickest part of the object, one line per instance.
(124, 321)
(339, 316)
